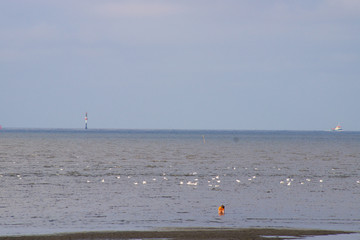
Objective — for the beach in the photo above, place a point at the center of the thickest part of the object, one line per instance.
(184, 233)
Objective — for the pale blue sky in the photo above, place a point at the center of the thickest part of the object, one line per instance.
(265, 65)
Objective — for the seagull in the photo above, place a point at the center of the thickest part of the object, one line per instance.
(191, 183)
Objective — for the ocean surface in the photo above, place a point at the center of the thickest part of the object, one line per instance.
(61, 180)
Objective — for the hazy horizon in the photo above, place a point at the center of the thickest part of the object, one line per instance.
(170, 129)
(247, 65)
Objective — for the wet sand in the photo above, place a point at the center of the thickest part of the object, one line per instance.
(183, 233)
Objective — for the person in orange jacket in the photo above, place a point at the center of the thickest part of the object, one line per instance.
(221, 210)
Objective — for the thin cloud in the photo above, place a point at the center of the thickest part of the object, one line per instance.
(139, 9)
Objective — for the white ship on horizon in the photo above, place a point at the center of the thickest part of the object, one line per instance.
(337, 128)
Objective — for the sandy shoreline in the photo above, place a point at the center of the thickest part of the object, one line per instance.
(182, 233)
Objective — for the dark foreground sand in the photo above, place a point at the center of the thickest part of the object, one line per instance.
(182, 233)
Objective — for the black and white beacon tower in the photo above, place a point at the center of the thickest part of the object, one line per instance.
(86, 118)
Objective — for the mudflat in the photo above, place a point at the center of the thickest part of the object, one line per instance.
(182, 233)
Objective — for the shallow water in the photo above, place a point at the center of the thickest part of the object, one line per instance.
(353, 236)
(77, 180)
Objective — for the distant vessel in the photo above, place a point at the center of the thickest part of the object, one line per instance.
(337, 128)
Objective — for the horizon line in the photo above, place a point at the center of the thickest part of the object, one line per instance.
(167, 129)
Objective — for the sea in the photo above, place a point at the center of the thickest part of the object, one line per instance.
(75, 180)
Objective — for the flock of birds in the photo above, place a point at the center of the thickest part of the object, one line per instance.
(215, 181)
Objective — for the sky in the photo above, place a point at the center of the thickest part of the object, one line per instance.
(204, 64)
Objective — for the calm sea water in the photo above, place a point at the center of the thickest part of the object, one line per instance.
(75, 180)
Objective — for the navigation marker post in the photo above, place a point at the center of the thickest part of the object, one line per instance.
(86, 118)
